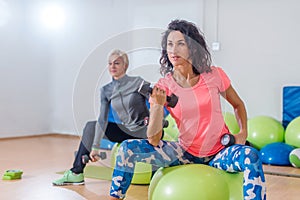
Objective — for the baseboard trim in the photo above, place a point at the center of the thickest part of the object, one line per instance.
(42, 135)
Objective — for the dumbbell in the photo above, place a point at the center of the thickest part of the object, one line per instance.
(165, 122)
(12, 174)
(227, 140)
(86, 158)
(146, 89)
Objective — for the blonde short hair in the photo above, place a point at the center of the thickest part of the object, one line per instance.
(121, 54)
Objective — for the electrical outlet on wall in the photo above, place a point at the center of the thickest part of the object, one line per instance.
(215, 46)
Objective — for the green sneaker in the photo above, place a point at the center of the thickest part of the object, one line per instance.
(70, 178)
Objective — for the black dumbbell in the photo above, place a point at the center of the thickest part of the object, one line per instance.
(164, 122)
(86, 158)
(146, 89)
(227, 140)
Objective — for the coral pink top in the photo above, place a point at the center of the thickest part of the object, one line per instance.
(198, 113)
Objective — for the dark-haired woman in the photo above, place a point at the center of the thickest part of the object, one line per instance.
(188, 73)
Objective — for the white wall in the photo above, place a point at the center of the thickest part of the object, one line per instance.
(259, 49)
(133, 26)
(49, 80)
(93, 23)
(25, 76)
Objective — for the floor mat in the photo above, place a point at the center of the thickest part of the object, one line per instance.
(105, 173)
(97, 172)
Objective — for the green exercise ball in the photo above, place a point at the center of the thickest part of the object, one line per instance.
(231, 122)
(263, 130)
(171, 132)
(292, 133)
(294, 158)
(194, 182)
(142, 171)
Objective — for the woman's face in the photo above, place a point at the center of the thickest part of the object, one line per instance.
(178, 51)
(116, 66)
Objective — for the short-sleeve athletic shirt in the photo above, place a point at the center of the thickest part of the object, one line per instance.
(198, 113)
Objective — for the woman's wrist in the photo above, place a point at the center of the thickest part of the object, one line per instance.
(155, 120)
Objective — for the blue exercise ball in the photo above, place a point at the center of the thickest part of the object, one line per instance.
(276, 154)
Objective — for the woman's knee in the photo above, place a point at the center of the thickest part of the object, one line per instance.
(135, 148)
(128, 146)
(134, 144)
(125, 144)
(251, 154)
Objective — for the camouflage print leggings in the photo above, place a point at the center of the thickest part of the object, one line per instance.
(236, 158)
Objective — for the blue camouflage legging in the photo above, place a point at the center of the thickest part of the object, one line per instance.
(236, 158)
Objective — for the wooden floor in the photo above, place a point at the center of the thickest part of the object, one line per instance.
(41, 157)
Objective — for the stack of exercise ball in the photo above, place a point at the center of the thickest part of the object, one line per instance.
(276, 145)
